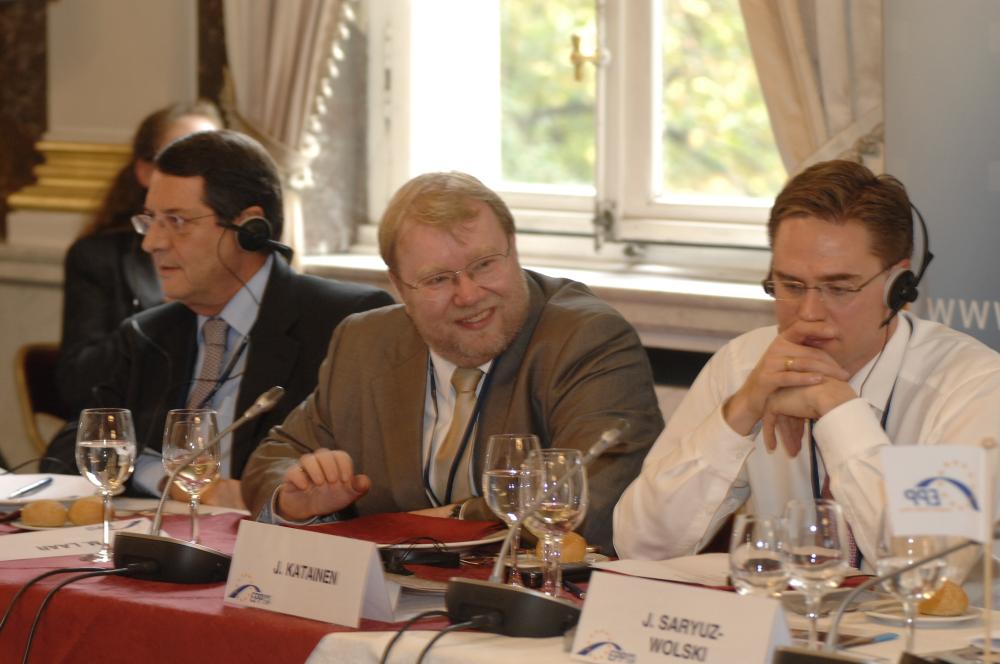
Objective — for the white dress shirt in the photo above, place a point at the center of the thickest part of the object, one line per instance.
(944, 388)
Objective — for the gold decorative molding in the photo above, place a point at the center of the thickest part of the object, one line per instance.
(72, 178)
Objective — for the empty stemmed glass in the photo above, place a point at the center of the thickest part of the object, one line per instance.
(897, 551)
(816, 552)
(506, 485)
(557, 505)
(187, 431)
(756, 564)
(105, 455)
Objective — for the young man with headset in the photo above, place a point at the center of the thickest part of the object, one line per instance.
(801, 410)
(238, 320)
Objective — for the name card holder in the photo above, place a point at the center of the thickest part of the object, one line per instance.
(631, 620)
(313, 575)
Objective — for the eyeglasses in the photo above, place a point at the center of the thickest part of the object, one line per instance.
(173, 222)
(481, 271)
(832, 292)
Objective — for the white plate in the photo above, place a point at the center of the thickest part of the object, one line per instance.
(63, 488)
(893, 615)
(449, 546)
(531, 561)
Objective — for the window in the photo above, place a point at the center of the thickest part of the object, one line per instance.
(667, 141)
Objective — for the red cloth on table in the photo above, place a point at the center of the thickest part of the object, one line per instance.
(117, 620)
(403, 528)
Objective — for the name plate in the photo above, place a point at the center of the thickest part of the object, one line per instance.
(313, 575)
(632, 620)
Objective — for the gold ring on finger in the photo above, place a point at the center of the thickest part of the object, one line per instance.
(789, 361)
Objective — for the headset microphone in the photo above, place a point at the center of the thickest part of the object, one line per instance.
(901, 285)
(256, 234)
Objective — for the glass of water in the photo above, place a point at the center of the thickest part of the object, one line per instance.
(816, 552)
(911, 587)
(756, 565)
(506, 483)
(105, 455)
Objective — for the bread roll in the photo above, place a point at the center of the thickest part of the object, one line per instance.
(85, 511)
(43, 514)
(949, 600)
(573, 548)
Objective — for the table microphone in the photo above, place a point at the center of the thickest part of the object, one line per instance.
(520, 611)
(179, 561)
(794, 655)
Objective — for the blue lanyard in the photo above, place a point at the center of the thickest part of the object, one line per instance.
(456, 462)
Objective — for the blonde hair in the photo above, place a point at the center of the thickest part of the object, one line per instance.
(437, 199)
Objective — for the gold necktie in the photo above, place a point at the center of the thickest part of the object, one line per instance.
(464, 381)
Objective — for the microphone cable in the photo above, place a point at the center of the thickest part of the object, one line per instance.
(491, 619)
(407, 625)
(141, 567)
(33, 581)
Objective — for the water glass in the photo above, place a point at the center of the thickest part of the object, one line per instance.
(186, 433)
(756, 565)
(897, 551)
(557, 504)
(105, 455)
(816, 552)
(506, 484)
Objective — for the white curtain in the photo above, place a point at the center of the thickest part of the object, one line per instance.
(820, 66)
(282, 58)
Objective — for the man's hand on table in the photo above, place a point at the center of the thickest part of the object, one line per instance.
(321, 483)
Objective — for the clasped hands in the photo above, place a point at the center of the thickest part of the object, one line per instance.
(792, 382)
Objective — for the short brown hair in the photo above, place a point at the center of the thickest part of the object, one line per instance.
(840, 191)
(437, 199)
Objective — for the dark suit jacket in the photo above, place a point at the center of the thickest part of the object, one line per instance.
(108, 277)
(157, 350)
(574, 369)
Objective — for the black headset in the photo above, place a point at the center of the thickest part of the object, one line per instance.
(901, 284)
(255, 234)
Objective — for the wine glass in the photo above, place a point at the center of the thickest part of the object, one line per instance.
(186, 432)
(897, 551)
(556, 504)
(505, 478)
(816, 552)
(105, 455)
(756, 564)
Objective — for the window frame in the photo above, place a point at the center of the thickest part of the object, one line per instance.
(625, 135)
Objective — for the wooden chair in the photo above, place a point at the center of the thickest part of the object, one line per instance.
(35, 375)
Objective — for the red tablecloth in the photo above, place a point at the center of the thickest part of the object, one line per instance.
(113, 619)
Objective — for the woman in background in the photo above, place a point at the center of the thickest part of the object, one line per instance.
(108, 277)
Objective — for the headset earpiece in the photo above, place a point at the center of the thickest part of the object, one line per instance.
(254, 234)
(900, 288)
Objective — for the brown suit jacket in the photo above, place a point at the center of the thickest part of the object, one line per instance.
(575, 367)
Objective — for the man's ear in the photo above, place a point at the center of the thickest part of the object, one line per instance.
(143, 172)
(249, 213)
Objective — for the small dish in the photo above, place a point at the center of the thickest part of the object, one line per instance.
(893, 615)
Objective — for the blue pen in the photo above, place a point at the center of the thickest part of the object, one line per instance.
(856, 641)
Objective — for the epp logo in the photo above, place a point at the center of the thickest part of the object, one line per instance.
(942, 492)
(607, 651)
(250, 592)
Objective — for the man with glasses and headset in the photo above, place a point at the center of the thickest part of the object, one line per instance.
(801, 410)
(409, 395)
(239, 320)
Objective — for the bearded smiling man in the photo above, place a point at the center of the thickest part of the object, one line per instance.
(386, 429)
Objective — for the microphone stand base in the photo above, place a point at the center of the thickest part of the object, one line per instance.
(520, 611)
(177, 561)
